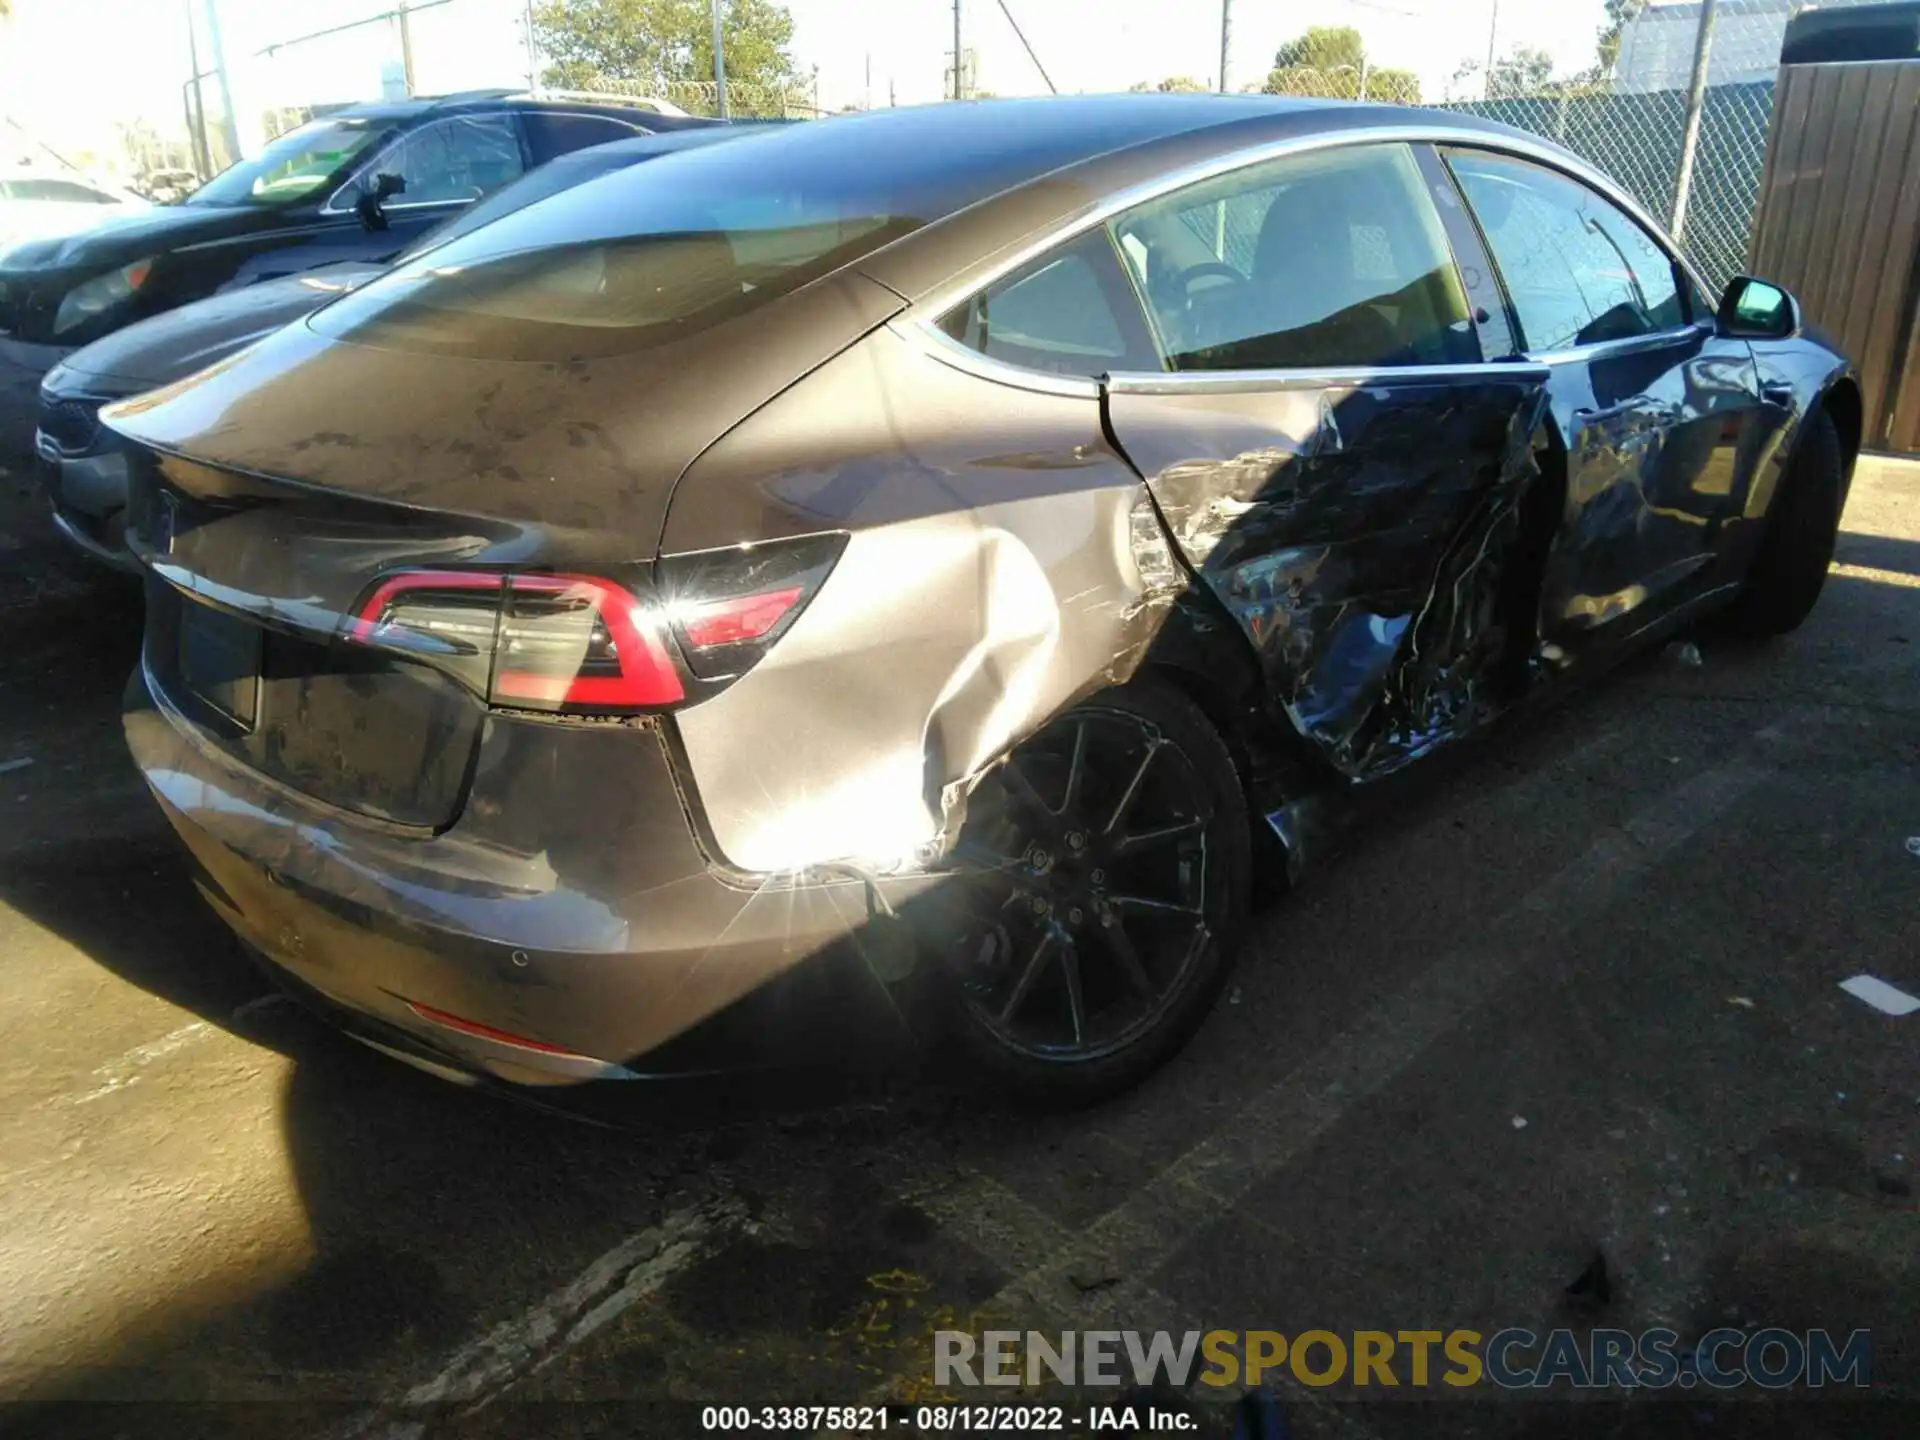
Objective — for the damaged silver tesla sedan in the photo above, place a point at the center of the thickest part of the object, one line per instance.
(975, 539)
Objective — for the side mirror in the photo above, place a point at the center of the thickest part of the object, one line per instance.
(368, 206)
(1754, 310)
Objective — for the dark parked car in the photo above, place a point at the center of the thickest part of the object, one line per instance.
(360, 184)
(84, 466)
(974, 539)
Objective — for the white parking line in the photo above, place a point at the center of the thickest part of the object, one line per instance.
(1887, 999)
(124, 1071)
(480, 1370)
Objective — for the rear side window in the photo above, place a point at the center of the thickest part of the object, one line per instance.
(660, 251)
(461, 158)
(549, 135)
(1578, 270)
(1328, 260)
(1071, 312)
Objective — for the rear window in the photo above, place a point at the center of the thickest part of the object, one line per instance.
(608, 296)
(661, 251)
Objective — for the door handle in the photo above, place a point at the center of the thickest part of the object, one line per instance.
(1777, 393)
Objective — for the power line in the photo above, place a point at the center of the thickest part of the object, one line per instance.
(1030, 55)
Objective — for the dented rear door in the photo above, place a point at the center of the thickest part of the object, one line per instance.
(1362, 532)
(1328, 447)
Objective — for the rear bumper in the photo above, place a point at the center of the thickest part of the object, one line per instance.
(569, 911)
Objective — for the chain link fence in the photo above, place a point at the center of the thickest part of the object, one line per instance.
(1628, 117)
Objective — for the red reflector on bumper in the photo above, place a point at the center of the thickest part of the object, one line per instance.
(487, 1032)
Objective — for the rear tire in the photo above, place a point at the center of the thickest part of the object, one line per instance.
(1796, 549)
(1103, 896)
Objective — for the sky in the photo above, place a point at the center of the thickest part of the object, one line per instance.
(71, 69)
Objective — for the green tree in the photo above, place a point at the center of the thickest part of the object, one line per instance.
(1330, 61)
(1322, 47)
(1527, 71)
(648, 44)
(1619, 12)
(1175, 85)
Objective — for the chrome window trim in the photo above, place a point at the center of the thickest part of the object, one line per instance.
(387, 208)
(936, 344)
(333, 206)
(1229, 382)
(925, 312)
(1631, 345)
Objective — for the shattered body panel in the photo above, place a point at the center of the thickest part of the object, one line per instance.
(1360, 533)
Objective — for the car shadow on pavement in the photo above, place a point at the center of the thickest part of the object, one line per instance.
(1878, 552)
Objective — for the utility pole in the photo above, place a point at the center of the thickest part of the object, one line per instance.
(719, 63)
(959, 90)
(1493, 29)
(229, 124)
(1226, 40)
(533, 65)
(198, 130)
(1696, 103)
(406, 43)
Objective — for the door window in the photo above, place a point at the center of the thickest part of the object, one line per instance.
(550, 134)
(1071, 312)
(1578, 269)
(1333, 259)
(452, 161)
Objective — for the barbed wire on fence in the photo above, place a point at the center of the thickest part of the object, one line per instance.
(745, 101)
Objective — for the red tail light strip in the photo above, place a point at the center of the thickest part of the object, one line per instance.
(646, 675)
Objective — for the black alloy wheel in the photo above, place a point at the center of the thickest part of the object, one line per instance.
(1100, 886)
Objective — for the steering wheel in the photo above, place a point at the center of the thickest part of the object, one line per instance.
(1185, 278)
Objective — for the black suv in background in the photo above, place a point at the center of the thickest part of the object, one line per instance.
(360, 184)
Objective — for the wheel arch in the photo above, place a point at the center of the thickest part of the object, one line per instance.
(1201, 653)
(1844, 401)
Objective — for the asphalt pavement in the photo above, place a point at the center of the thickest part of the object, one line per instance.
(1578, 1002)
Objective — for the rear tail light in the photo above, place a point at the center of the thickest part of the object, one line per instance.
(728, 607)
(568, 642)
(579, 644)
(527, 642)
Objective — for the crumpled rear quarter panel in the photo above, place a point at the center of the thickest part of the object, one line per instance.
(989, 582)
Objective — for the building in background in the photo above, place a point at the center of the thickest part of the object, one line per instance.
(1656, 46)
